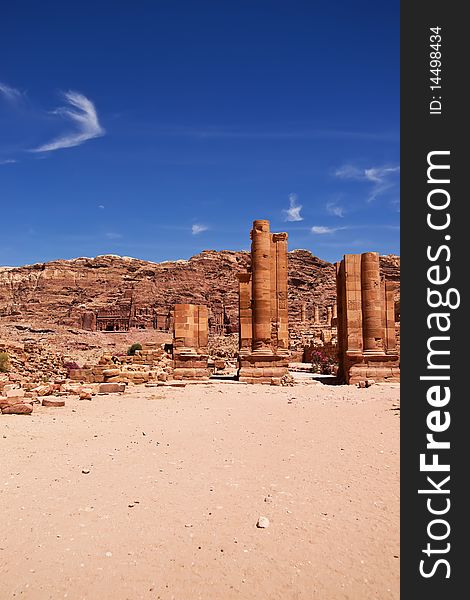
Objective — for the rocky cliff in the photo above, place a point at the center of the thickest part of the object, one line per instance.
(59, 291)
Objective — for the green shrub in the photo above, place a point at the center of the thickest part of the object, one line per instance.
(4, 362)
(133, 348)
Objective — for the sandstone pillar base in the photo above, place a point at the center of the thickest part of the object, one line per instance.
(382, 368)
(190, 365)
(262, 367)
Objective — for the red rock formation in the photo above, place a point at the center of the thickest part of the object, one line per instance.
(62, 291)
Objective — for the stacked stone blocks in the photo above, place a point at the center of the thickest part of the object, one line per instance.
(367, 346)
(191, 332)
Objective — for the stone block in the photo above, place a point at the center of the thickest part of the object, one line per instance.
(53, 401)
(111, 388)
(111, 372)
(43, 390)
(14, 392)
(4, 401)
(18, 409)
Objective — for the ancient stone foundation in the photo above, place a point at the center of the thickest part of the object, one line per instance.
(191, 330)
(367, 346)
(264, 335)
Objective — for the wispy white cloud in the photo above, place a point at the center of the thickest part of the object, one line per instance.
(10, 93)
(379, 174)
(335, 209)
(81, 111)
(293, 212)
(383, 178)
(350, 172)
(101, 206)
(198, 228)
(8, 161)
(321, 230)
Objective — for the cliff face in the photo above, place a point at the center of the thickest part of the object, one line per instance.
(59, 291)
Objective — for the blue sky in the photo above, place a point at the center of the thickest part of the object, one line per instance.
(159, 129)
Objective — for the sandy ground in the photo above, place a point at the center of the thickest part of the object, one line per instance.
(177, 481)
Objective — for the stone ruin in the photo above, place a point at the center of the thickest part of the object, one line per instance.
(112, 319)
(263, 312)
(190, 339)
(367, 347)
(358, 330)
(219, 321)
(151, 363)
(123, 317)
(313, 331)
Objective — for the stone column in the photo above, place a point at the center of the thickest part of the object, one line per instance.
(316, 314)
(390, 334)
(202, 327)
(352, 301)
(185, 327)
(261, 285)
(244, 312)
(280, 245)
(340, 320)
(335, 311)
(303, 312)
(190, 342)
(373, 331)
(329, 315)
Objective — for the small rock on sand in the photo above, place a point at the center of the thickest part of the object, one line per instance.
(263, 523)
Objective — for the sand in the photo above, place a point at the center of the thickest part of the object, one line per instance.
(156, 494)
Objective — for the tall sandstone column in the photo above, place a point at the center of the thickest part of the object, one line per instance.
(264, 334)
(372, 318)
(390, 333)
(342, 332)
(202, 327)
(352, 299)
(282, 316)
(245, 313)
(261, 285)
(335, 311)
